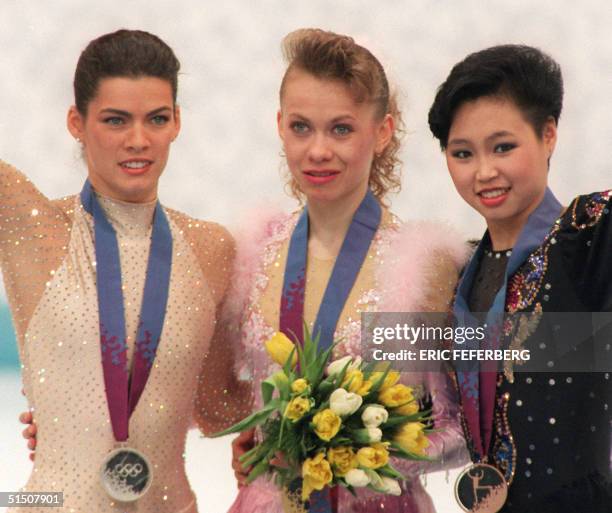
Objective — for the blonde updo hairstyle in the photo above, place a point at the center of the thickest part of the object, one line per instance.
(331, 56)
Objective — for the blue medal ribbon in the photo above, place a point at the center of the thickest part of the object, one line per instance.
(359, 236)
(353, 251)
(478, 392)
(123, 393)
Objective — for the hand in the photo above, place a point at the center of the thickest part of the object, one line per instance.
(29, 433)
(240, 445)
(279, 460)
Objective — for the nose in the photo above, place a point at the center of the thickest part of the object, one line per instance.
(486, 170)
(319, 149)
(137, 138)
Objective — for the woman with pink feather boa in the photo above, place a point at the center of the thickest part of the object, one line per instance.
(340, 126)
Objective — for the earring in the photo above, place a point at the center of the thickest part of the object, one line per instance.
(78, 140)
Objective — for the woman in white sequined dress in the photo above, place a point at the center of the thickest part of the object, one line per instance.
(339, 126)
(125, 117)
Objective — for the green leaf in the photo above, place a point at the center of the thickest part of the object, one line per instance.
(397, 451)
(375, 480)
(255, 419)
(398, 420)
(259, 469)
(289, 363)
(389, 471)
(267, 390)
(251, 421)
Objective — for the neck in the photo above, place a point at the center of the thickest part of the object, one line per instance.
(505, 232)
(503, 236)
(328, 223)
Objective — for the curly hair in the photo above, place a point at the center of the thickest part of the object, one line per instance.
(333, 56)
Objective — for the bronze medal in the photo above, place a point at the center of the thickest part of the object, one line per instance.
(481, 488)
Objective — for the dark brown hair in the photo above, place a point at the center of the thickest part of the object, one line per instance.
(124, 53)
(337, 57)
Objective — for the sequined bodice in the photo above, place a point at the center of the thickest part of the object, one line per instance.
(56, 313)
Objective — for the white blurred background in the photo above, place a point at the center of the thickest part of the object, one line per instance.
(226, 159)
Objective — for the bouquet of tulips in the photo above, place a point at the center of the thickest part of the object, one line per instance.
(335, 423)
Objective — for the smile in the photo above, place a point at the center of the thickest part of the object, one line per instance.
(493, 193)
(317, 177)
(136, 166)
(492, 198)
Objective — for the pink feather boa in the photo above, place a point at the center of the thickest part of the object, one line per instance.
(402, 280)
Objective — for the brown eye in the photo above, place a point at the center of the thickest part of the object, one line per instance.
(504, 147)
(462, 154)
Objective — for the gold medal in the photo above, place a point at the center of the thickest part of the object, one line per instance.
(481, 488)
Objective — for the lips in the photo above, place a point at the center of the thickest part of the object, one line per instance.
(320, 176)
(493, 193)
(135, 166)
(493, 197)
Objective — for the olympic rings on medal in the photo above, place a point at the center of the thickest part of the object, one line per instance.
(128, 469)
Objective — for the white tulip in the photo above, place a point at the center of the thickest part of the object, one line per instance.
(374, 434)
(357, 478)
(391, 486)
(374, 415)
(342, 402)
(336, 366)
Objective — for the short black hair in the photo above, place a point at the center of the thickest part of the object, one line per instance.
(523, 74)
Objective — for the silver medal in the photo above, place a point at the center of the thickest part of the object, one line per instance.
(126, 474)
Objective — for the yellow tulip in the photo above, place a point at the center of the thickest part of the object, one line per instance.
(395, 396)
(391, 379)
(342, 459)
(280, 378)
(327, 424)
(316, 473)
(299, 385)
(364, 389)
(297, 408)
(407, 409)
(353, 381)
(279, 348)
(373, 457)
(411, 438)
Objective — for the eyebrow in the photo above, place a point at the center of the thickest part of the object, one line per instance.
(495, 135)
(127, 114)
(334, 120)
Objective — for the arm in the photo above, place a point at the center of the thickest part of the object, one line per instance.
(35, 230)
(447, 445)
(222, 398)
